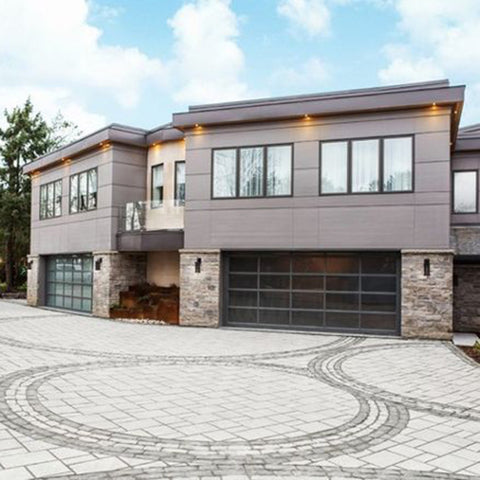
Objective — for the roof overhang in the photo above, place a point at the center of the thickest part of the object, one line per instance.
(164, 134)
(112, 134)
(468, 139)
(400, 97)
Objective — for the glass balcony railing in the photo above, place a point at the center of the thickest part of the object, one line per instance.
(152, 215)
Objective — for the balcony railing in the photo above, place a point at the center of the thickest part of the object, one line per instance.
(152, 215)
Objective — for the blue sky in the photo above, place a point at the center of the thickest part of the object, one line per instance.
(137, 61)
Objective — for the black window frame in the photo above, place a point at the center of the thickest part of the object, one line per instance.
(470, 170)
(381, 160)
(45, 186)
(161, 200)
(77, 175)
(175, 184)
(237, 195)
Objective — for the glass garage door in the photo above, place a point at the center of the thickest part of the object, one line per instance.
(321, 291)
(69, 282)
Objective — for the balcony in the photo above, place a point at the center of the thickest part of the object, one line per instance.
(151, 226)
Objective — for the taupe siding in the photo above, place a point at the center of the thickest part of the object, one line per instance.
(307, 220)
(121, 178)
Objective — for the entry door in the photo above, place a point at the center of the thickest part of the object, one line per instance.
(69, 282)
(352, 292)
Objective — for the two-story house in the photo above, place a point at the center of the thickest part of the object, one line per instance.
(353, 211)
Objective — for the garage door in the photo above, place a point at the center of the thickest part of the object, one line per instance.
(69, 282)
(322, 291)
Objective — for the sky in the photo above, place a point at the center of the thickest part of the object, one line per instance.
(135, 62)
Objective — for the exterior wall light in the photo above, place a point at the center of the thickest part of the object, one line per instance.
(198, 265)
(29, 264)
(98, 264)
(426, 267)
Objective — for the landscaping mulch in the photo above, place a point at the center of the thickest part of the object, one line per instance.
(472, 352)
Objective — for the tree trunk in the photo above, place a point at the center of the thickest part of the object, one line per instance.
(9, 267)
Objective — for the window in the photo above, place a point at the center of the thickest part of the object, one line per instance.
(157, 185)
(334, 157)
(51, 200)
(180, 183)
(465, 186)
(279, 170)
(252, 172)
(224, 173)
(397, 164)
(367, 166)
(83, 191)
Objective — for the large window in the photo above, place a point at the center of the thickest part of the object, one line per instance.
(465, 192)
(157, 185)
(367, 166)
(180, 183)
(51, 200)
(252, 172)
(83, 191)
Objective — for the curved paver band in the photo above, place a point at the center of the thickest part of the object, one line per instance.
(22, 409)
(330, 370)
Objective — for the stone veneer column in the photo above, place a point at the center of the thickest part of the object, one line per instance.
(466, 298)
(118, 271)
(200, 292)
(427, 301)
(35, 280)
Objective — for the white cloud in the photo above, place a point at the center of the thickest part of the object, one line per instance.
(310, 16)
(310, 75)
(442, 39)
(51, 101)
(49, 50)
(208, 61)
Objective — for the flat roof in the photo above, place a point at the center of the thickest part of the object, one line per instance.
(395, 97)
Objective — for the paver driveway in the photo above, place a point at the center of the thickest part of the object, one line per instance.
(86, 398)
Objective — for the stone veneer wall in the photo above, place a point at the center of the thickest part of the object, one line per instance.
(465, 240)
(34, 280)
(466, 298)
(118, 271)
(427, 301)
(200, 292)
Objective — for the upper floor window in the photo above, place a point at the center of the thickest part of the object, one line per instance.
(465, 191)
(252, 172)
(83, 191)
(367, 165)
(157, 185)
(51, 200)
(180, 183)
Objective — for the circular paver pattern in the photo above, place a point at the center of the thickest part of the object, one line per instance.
(22, 408)
(206, 402)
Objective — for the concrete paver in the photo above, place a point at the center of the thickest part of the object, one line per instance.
(87, 398)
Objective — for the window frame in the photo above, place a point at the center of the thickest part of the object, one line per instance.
(264, 147)
(152, 201)
(78, 191)
(45, 186)
(381, 158)
(477, 188)
(175, 184)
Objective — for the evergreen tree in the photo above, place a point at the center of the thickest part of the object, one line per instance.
(25, 137)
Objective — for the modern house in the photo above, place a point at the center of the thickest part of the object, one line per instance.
(353, 211)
